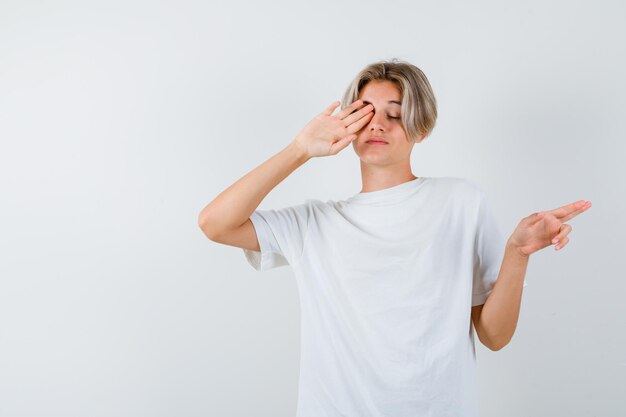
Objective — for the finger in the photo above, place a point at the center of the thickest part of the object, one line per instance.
(362, 116)
(565, 230)
(329, 110)
(357, 104)
(561, 244)
(359, 124)
(358, 115)
(568, 209)
(570, 216)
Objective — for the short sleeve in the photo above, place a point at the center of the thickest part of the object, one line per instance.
(489, 246)
(281, 234)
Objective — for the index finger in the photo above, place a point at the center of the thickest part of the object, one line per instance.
(352, 108)
(570, 210)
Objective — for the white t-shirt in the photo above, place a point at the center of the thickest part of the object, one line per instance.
(386, 281)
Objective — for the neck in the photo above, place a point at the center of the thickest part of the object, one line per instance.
(376, 178)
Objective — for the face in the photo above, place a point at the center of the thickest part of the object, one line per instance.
(385, 124)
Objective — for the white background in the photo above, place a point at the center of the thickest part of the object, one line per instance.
(121, 120)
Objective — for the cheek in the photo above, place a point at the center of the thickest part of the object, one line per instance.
(354, 147)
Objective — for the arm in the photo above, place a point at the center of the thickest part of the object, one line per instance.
(233, 206)
(496, 320)
(225, 219)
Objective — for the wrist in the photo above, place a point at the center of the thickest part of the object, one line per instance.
(512, 247)
(298, 151)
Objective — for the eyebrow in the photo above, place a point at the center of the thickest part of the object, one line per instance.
(390, 101)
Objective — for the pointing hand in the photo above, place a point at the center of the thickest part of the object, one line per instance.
(545, 228)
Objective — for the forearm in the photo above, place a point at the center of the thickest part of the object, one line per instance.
(499, 316)
(233, 206)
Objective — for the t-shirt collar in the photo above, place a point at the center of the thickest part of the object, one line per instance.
(386, 193)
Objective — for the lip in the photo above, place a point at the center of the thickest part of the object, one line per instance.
(376, 141)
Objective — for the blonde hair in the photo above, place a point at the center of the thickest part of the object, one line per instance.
(419, 106)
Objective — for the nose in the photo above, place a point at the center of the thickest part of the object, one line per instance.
(377, 122)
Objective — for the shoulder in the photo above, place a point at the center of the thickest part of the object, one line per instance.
(461, 188)
(315, 205)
